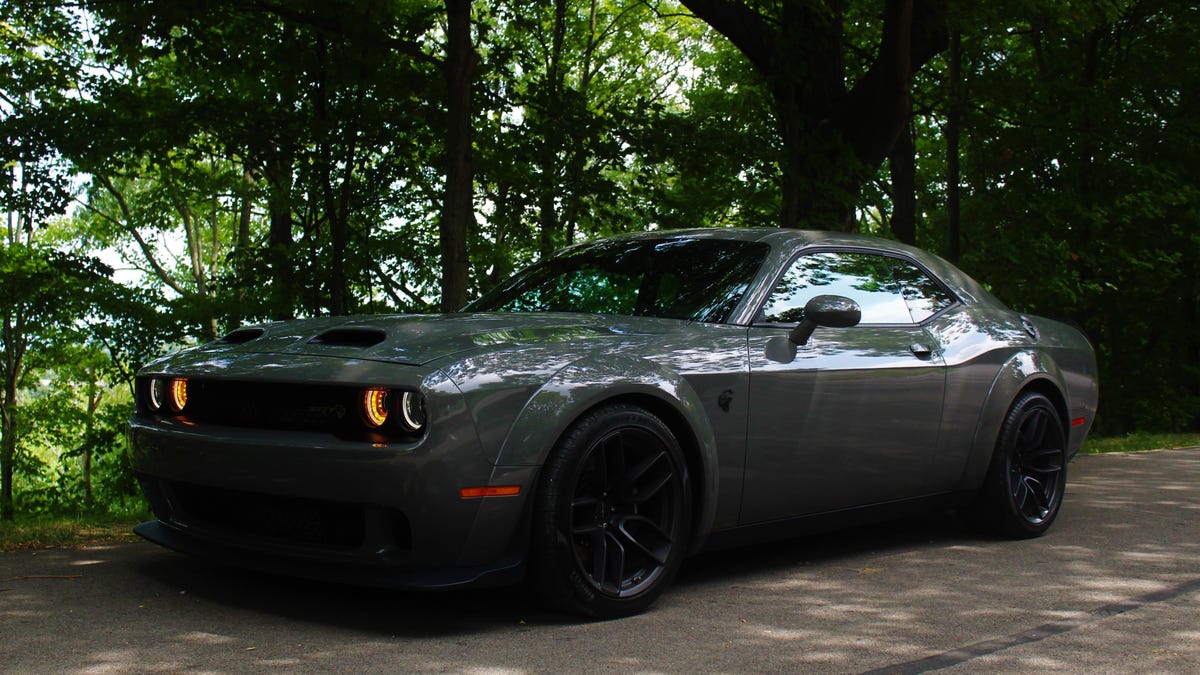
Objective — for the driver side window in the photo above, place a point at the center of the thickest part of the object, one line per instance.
(866, 278)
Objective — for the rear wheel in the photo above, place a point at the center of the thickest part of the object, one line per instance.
(613, 512)
(1024, 488)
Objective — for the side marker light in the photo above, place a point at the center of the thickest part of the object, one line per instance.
(490, 491)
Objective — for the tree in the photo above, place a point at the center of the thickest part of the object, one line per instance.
(833, 138)
(319, 108)
(569, 142)
(711, 157)
(458, 204)
(42, 295)
(1076, 139)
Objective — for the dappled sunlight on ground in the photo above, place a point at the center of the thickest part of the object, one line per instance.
(1117, 577)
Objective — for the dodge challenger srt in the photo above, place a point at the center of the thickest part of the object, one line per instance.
(609, 411)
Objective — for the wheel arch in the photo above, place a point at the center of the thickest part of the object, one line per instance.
(1047, 388)
(1023, 372)
(583, 387)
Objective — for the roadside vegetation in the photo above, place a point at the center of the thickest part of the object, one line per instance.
(170, 171)
(68, 530)
(1139, 442)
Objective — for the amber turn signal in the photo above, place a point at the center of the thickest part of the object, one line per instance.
(490, 491)
(179, 393)
(375, 406)
(167, 394)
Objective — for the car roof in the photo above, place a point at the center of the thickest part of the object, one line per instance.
(966, 287)
(778, 236)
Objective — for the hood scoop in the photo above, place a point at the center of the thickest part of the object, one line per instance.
(350, 337)
(242, 335)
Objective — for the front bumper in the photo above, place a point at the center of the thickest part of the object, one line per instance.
(504, 572)
(313, 505)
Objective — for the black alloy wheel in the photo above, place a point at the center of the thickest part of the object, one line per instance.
(1023, 492)
(613, 515)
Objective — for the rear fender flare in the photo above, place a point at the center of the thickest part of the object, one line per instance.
(1021, 370)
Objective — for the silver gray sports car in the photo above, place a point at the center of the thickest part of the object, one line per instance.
(612, 409)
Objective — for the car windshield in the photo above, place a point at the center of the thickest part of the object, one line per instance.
(675, 278)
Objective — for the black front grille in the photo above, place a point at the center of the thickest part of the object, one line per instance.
(274, 406)
(312, 522)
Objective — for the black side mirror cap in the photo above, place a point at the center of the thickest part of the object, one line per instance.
(829, 311)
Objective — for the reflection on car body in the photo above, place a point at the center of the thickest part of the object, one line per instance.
(611, 410)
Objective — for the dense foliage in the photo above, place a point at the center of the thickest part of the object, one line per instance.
(247, 161)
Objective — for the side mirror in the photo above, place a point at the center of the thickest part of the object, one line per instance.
(829, 311)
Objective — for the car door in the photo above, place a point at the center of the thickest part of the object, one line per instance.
(850, 418)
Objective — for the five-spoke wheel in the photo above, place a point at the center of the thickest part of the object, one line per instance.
(1028, 475)
(613, 513)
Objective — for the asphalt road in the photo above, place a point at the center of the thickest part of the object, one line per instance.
(1114, 587)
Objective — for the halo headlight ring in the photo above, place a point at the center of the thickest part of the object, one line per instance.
(156, 393)
(413, 414)
(167, 394)
(376, 406)
(179, 394)
(383, 408)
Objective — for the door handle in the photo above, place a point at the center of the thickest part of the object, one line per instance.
(920, 350)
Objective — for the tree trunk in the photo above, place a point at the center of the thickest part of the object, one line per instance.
(280, 244)
(577, 162)
(8, 447)
(8, 419)
(458, 212)
(501, 267)
(549, 158)
(335, 218)
(241, 252)
(245, 219)
(903, 168)
(833, 140)
(953, 131)
(93, 396)
(336, 211)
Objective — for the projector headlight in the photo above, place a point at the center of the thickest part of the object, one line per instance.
(412, 411)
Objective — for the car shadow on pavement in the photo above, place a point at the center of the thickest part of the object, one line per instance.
(383, 611)
(451, 612)
(936, 528)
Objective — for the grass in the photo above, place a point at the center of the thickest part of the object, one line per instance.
(1139, 442)
(67, 531)
(70, 531)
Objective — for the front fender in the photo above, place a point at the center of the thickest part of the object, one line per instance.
(1020, 371)
(592, 381)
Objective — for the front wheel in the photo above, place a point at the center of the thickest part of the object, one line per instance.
(613, 512)
(1024, 488)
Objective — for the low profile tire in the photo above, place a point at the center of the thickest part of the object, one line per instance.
(613, 514)
(1024, 488)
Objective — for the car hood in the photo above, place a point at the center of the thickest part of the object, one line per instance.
(420, 339)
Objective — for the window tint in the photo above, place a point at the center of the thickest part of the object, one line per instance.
(923, 296)
(677, 278)
(887, 290)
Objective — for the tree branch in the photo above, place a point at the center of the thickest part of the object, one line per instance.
(127, 225)
(878, 106)
(745, 28)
